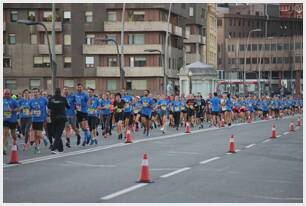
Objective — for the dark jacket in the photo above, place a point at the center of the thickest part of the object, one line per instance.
(57, 105)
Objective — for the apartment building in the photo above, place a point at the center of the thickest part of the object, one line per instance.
(81, 53)
(280, 47)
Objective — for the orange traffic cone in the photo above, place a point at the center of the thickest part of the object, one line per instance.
(222, 123)
(299, 123)
(187, 128)
(128, 136)
(291, 127)
(144, 173)
(14, 154)
(273, 131)
(232, 144)
(249, 119)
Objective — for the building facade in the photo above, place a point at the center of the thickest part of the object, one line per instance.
(83, 56)
(276, 51)
(291, 10)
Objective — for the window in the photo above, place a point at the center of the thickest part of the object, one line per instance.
(46, 40)
(190, 11)
(279, 46)
(32, 16)
(228, 48)
(241, 47)
(273, 47)
(266, 60)
(254, 47)
(254, 60)
(286, 60)
(111, 36)
(138, 15)
(38, 62)
(273, 60)
(67, 39)
(12, 38)
(67, 62)
(297, 59)
(286, 46)
(188, 49)
(241, 60)
(89, 61)
(90, 39)
(67, 16)
(47, 16)
(279, 60)
(14, 16)
(69, 83)
(131, 61)
(11, 84)
(111, 84)
(88, 16)
(7, 62)
(139, 84)
(46, 61)
(111, 16)
(267, 47)
(139, 61)
(219, 22)
(187, 31)
(34, 83)
(49, 84)
(297, 45)
(248, 61)
(33, 39)
(112, 61)
(90, 83)
(136, 38)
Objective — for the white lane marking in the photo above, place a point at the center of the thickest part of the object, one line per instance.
(188, 153)
(48, 157)
(175, 172)
(209, 160)
(124, 191)
(162, 169)
(267, 140)
(88, 165)
(285, 133)
(278, 198)
(249, 146)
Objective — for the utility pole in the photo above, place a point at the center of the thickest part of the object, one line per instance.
(122, 72)
(53, 62)
(167, 51)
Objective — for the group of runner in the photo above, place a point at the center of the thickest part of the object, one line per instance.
(28, 114)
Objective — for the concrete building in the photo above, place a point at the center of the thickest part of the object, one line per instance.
(283, 56)
(211, 35)
(81, 54)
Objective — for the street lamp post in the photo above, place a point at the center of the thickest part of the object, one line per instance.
(53, 64)
(163, 66)
(190, 83)
(247, 45)
(119, 60)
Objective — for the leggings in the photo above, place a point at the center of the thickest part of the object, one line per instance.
(25, 125)
(176, 116)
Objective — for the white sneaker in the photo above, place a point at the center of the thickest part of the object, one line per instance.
(53, 152)
(162, 129)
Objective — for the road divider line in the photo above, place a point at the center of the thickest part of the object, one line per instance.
(278, 135)
(267, 140)
(124, 191)
(209, 160)
(175, 172)
(249, 146)
(98, 148)
(187, 153)
(285, 133)
(162, 169)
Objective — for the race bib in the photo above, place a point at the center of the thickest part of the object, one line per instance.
(136, 111)
(37, 113)
(176, 108)
(164, 107)
(106, 106)
(191, 106)
(7, 114)
(91, 110)
(26, 111)
(182, 107)
(119, 110)
(145, 104)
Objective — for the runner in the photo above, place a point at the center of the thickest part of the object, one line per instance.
(38, 108)
(10, 109)
(228, 110)
(162, 106)
(118, 108)
(81, 99)
(215, 108)
(92, 108)
(106, 113)
(176, 105)
(147, 104)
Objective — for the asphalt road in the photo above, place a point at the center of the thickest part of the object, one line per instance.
(184, 167)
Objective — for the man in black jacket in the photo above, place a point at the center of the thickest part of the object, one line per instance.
(57, 105)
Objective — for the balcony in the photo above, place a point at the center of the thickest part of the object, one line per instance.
(111, 49)
(178, 31)
(130, 71)
(137, 26)
(43, 49)
(58, 26)
(194, 38)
